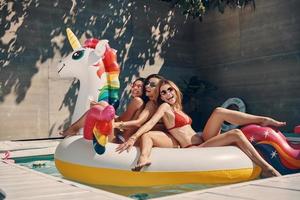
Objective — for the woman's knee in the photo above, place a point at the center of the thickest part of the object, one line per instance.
(146, 135)
(219, 111)
(103, 103)
(237, 134)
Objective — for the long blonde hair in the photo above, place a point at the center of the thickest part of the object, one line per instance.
(178, 103)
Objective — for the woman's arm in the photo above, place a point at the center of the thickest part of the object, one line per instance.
(134, 105)
(144, 129)
(142, 118)
(151, 123)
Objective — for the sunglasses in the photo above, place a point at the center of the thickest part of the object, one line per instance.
(164, 92)
(151, 84)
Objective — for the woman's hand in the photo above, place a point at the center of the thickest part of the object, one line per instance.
(116, 125)
(126, 145)
(119, 125)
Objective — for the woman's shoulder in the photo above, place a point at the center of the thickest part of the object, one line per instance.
(135, 103)
(165, 106)
(137, 100)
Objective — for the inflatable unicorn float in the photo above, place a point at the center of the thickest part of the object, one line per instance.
(91, 159)
(95, 65)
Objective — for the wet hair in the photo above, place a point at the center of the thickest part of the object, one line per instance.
(143, 97)
(147, 80)
(178, 103)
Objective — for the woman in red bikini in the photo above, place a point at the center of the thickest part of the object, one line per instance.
(158, 129)
(179, 126)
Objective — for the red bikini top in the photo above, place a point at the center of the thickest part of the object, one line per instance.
(180, 121)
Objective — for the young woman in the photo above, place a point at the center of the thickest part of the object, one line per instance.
(132, 111)
(157, 130)
(179, 126)
(134, 108)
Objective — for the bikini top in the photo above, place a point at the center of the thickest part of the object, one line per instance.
(180, 120)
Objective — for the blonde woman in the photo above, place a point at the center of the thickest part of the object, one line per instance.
(158, 129)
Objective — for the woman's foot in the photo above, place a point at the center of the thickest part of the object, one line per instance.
(69, 132)
(270, 173)
(272, 122)
(143, 162)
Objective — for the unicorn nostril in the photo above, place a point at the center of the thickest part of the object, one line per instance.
(63, 65)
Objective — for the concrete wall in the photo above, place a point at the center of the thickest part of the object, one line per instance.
(254, 55)
(34, 101)
(250, 54)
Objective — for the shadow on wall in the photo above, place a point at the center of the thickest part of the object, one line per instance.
(195, 93)
(33, 32)
(15, 26)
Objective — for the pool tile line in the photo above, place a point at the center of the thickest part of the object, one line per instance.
(26, 145)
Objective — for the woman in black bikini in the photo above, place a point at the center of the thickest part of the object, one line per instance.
(179, 126)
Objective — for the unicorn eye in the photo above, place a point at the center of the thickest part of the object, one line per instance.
(77, 55)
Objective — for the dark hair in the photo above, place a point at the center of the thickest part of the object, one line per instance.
(143, 97)
(139, 79)
(154, 76)
(147, 80)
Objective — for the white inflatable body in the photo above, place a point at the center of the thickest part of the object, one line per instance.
(76, 160)
(83, 64)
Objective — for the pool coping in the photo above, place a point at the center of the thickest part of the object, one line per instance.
(33, 148)
(66, 182)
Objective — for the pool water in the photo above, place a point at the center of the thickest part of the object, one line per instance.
(45, 164)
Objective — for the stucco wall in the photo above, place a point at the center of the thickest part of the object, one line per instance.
(250, 54)
(34, 101)
(254, 55)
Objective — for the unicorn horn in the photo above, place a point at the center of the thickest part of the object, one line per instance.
(73, 39)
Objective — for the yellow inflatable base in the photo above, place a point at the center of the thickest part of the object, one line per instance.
(105, 176)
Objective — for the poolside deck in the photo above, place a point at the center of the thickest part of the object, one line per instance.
(20, 183)
(279, 188)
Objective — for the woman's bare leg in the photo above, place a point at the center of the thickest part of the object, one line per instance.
(236, 137)
(74, 128)
(220, 115)
(153, 139)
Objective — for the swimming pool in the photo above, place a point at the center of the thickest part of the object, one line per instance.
(45, 164)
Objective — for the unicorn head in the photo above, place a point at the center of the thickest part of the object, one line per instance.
(96, 67)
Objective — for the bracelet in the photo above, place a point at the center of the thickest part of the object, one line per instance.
(121, 126)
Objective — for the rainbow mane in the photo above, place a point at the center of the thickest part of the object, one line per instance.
(109, 90)
(98, 123)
